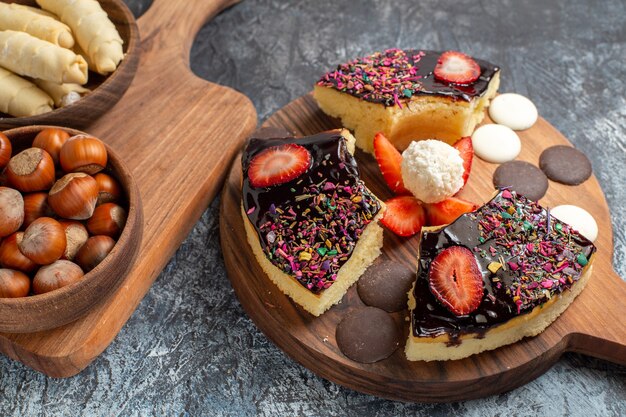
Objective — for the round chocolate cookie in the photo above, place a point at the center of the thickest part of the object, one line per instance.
(522, 177)
(385, 285)
(367, 335)
(565, 164)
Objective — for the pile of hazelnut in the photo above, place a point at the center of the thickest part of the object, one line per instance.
(60, 213)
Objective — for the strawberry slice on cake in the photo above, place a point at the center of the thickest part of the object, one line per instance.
(456, 67)
(278, 165)
(455, 280)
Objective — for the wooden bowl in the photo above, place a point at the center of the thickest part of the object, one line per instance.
(106, 90)
(62, 306)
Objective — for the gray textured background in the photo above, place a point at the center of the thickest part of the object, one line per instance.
(190, 350)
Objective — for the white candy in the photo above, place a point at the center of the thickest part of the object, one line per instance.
(432, 170)
(496, 143)
(513, 110)
(578, 218)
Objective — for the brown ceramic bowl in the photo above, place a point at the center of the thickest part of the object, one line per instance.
(106, 91)
(67, 304)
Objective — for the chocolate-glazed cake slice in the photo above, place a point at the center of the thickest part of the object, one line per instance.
(531, 267)
(313, 226)
(396, 92)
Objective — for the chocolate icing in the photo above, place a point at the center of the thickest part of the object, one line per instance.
(395, 76)
(323, 212)
(501, 301)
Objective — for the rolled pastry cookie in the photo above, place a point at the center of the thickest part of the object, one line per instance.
(62, 94)
(24, 19)
(27, 55)
(21, 98)
(37, 10)
(94, 31)
(79, 51)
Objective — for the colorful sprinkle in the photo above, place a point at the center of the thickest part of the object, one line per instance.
(515, 232)
(312, 234)
(494, 267)
(389, 77)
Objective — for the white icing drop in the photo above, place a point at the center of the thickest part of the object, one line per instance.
(579, 218)
(514, 111)
(496, 143)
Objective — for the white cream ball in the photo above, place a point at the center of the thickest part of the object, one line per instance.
(432, 170)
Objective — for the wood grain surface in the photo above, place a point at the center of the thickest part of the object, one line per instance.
(591, 325)
(106, 90)
(67, 304)
(178, 134)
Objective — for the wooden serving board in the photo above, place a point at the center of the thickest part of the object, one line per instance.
(178, 135)
(593, 324)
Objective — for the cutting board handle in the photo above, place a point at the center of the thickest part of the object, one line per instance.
(606, 341)
(164, 19)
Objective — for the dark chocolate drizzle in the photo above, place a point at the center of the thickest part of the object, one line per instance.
(323, 212)
(395, 76)
(501, 302)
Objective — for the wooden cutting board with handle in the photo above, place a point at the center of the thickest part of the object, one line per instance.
(593, 324)
(178, 135)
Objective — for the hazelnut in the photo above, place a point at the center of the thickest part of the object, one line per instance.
(5, 150)
(36, 206)
(74, 196)
(82, 153)
(109, 190)
(11, 211)
(108, 219)
(51, 140)
(31, 170)
(11, 257)
(94, 251)
(44, 241)
(57, 275)
(76, 235)
(13, 284)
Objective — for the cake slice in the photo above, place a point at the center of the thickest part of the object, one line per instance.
(492, 277)
(310, 220)
(409, 95)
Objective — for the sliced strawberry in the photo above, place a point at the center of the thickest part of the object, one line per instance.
(465, 148)
(448, 210)
(456, 67)
(278, 165)
(389, 160)
(455, 280)
(404, 215)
